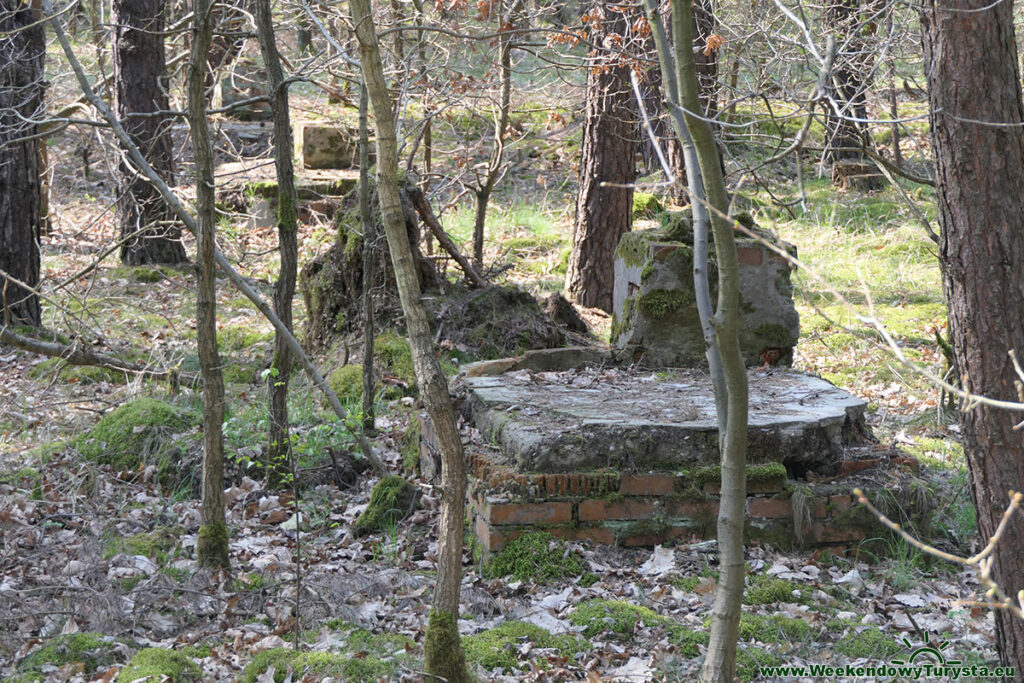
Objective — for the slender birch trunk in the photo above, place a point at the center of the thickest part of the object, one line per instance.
(444, 656)
(279, 450)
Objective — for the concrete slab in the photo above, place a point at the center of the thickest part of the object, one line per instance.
(609, 417)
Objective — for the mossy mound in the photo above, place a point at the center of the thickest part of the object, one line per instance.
(364, 656)
(646, 205)
(496, 322)
(347, 382)
(538, 557)
(143, 431)
(332, 283)
(158, 665)
(498, 647)
(391, 500)
(392, 361)
(240, 338)
(90, 650)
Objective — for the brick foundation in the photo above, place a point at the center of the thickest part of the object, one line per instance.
(647, 508)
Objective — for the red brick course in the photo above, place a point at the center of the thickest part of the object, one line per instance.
(529, 513)
(602, 510)
(659, 484)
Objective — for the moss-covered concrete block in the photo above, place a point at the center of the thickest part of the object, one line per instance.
(654, 308)
(329, 146)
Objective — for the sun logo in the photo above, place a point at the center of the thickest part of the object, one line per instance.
(927, 649)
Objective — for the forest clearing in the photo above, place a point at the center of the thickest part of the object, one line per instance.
(316, 531)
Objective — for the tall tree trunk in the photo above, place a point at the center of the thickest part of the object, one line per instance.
(971, 63)
(844, 135)
(720, 662)
(278, 450)
(369, 248)
(604, 213)
(149, 230)
(22, 52)
(444, 656)
(494, 171)
(230, 25)
(212, 547)
(730, 377)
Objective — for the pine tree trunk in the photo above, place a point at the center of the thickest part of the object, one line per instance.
(604, 214)
(212, 547)
(278, 450)
(444, 656)
(971, 63)
(149, 230)
(22, 51)
(844, 135)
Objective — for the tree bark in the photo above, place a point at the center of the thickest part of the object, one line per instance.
(844, 135)
(971, 62)
(720, 662)
(444, 656)
(279, 450)
(22, 52)
(730, 380)
(148, 228)
(369, 247)
(212, 547)
(604, 213)
(494, 165)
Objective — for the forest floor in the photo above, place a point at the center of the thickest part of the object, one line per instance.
(97, 560)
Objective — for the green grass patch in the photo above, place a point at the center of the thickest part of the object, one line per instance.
(538, 557)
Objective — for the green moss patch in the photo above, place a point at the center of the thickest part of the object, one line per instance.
(659, 303)
(391, 500)
(158, 545)
(394, 358)
(766, 590)
(91, 650)
(499, 647)
(297, 665)
(158, 665)
(772, 628)
(870, 643)
(538, 557)
(443, 650)
(82, 374)
(142, 431)
(240, 338)
(646, 205)
(347, 382)
(621, 618)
